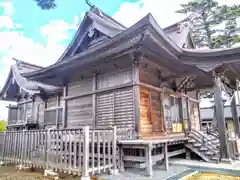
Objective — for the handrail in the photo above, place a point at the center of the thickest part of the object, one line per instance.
(207, 142)
(209, 147)
(206, 137)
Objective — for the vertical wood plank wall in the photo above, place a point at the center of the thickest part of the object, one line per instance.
(79, 110)
(110, 107)
(39, 106)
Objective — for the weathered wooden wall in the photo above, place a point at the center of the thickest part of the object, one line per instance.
(149, 76)
(38, 111)
(79, 109)
(115, 108)
(99, 101)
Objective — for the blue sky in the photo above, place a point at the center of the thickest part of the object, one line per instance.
(40, 37)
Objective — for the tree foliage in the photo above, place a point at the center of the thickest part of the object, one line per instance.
(214, 26)
(207, 18)
(2, 125)
(46, 4)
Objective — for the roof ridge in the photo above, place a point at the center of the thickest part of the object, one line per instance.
(94, 8)
(176, 24)
(26, 63)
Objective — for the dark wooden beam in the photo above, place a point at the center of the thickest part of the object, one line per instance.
(65, 93)
(136, 95)
(238, 98)
(94, 98)
(221, 124)
(235, 116)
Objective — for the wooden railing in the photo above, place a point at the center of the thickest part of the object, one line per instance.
(205, 141)
(76, 151)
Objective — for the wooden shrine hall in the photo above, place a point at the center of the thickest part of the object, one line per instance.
(144, 80)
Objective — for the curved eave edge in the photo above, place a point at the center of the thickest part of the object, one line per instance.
(7, 84)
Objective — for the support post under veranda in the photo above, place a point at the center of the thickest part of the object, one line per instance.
(224, 153)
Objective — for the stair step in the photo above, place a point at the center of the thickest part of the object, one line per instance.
(197, 145)
(203, 149)
(215, 158)
(192, 141)
(210, 153)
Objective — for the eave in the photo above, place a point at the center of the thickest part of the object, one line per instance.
(129, 41)
(131, 36)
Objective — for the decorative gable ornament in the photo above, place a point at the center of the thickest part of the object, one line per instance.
(91, 32)
(13, 80)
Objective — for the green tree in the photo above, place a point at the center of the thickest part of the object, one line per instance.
(2, 125)
(214, 26)
(206, 16)
(229, 35)
(46, 4)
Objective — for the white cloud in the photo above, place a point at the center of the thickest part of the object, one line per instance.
(163, 11)
(8, 8)
(56, 31)
(6, 21)
(15, 44)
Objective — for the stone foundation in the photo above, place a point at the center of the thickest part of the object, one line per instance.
(51, 174)
(23, 168)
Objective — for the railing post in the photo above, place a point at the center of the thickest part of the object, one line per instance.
(47, 148)
(23, 147)
(114, 151)
(3, 148)
(85, 170)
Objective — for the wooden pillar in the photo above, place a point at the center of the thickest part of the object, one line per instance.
(189, 115)
(166, 163)
(136, 96)
(238, 98)
(121, 154)
(162, 109)
(33, 110)
(149, 164)
(57, 105)
(25, 111)
(9, 115)
(94, 99)
(220, 118)
(199, 113)
(235, 116)
(65, 89)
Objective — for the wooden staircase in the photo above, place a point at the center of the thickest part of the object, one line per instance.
(205, 146)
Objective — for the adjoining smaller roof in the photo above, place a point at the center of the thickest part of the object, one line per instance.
(15, 81)
(179, 32)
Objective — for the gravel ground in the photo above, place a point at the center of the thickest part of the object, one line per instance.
(10, 173)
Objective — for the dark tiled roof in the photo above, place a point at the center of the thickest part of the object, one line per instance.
(31, 87)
